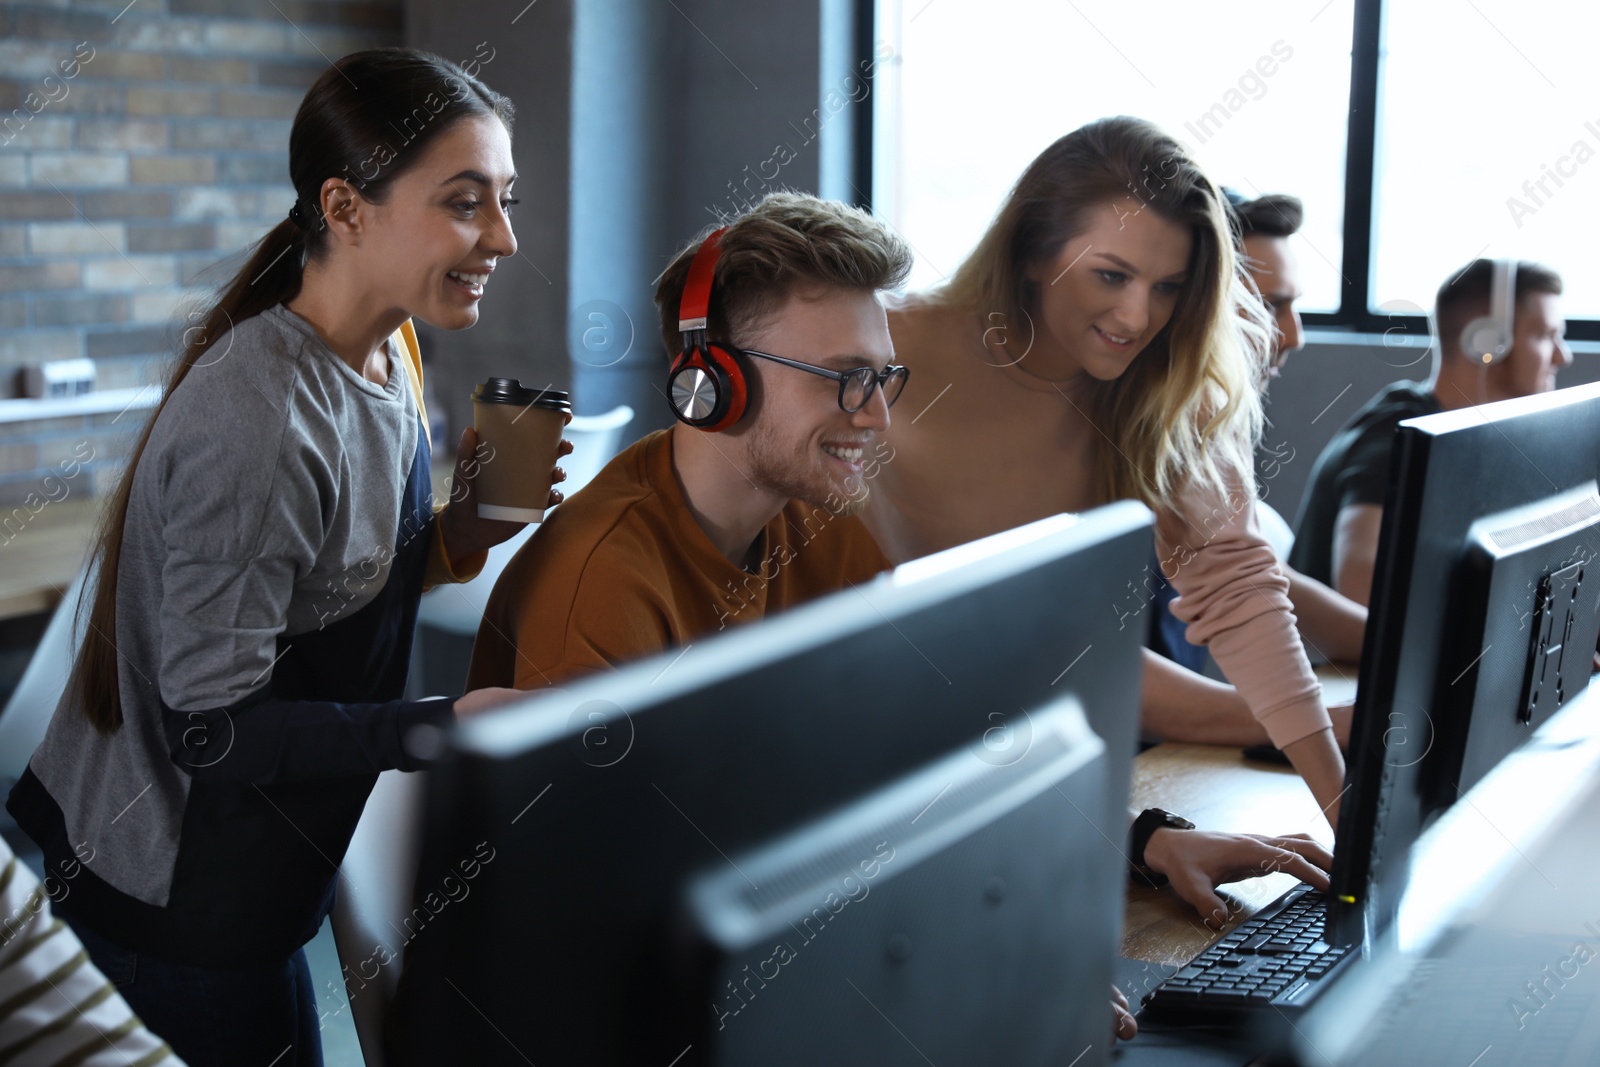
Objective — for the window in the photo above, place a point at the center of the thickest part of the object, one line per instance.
(1488, 145)
(1419, 138)
(975, 91)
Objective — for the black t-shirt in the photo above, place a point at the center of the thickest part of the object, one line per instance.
(1353, 469)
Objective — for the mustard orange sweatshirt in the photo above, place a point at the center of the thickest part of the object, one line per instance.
(623, 570)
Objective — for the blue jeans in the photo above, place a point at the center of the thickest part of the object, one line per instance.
(215, 1017)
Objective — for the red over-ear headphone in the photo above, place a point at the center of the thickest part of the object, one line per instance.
(706, 386)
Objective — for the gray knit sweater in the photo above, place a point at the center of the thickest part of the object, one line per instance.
(271, 561)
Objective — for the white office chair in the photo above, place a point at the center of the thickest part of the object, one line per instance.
(595, 439)
(376, 882)
(458, 609)
(27, 714)
(1277, 531)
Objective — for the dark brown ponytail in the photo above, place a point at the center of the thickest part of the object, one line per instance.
(363, 100)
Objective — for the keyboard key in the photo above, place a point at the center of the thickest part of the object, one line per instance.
(1228, 996)
(1269, 959)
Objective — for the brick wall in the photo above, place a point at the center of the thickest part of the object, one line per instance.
(142, 147)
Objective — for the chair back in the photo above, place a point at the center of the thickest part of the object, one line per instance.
(27, 713)
(373, 902)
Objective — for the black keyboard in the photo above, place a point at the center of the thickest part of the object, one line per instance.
(1275, 959)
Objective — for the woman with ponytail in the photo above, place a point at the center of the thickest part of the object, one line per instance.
(258, 569)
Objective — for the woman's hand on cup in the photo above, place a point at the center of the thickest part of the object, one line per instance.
(484, 699)
(559, 474)
(465, 532)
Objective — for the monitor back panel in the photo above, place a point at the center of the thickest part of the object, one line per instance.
(571, 944)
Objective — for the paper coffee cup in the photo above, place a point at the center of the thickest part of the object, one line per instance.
(522, 428)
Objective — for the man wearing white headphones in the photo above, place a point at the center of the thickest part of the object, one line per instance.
(1499, 335)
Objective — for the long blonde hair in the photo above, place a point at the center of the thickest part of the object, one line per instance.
(1186, 414)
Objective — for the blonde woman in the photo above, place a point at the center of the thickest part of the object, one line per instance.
(1101, 344)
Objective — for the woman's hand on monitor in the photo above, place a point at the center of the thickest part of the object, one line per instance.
(1197, 861)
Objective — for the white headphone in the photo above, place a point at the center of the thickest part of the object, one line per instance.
(1487, 340)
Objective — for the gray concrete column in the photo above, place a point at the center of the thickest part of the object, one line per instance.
(683, 111)
(523, 50)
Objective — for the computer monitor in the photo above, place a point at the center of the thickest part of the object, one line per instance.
(1482, 624)
(1493, 957)
(883, 826)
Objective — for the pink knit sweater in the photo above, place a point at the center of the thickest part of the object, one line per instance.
(981, 446)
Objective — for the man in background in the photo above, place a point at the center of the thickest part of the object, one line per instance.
(1265, 226)
(1336, 535)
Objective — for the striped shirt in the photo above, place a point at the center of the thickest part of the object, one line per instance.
(56, 1008)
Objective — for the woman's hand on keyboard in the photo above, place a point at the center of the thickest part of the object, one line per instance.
(1197, 861)
(1123, 1024)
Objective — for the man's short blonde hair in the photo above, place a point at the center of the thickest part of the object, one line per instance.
(788, 240)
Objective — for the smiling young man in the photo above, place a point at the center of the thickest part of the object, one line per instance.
(745, 506)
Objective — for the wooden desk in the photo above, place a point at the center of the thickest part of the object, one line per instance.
(40, 560)
(1216, 789)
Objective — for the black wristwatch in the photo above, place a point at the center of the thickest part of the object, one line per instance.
(1149, 821)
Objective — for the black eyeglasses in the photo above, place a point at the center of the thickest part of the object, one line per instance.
(855, 386)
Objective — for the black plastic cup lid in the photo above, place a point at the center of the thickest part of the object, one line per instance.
(512, 391)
